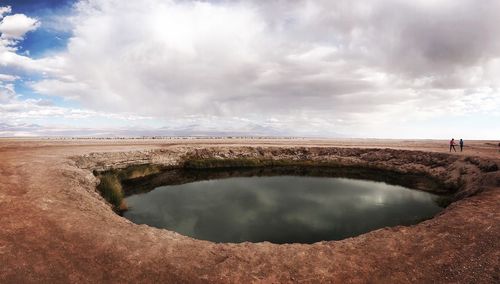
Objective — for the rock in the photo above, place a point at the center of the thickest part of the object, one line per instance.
(488, 166)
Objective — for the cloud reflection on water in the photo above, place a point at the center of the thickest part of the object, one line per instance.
(280, 209)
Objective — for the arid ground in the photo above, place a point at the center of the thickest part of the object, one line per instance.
(55, 226)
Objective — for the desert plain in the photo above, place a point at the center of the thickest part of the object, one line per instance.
(57, 228)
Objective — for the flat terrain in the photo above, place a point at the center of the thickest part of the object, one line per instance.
(56, 228)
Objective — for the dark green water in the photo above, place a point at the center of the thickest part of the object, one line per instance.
(280, 209)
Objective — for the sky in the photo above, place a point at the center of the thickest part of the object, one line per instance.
(370, 69)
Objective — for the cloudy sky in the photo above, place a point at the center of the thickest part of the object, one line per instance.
(381, 68)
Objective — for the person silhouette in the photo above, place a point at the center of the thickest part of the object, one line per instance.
(461, 144)
(452, 144)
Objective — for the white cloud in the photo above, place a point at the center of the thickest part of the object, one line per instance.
(16, 26)
(15, 65)
(5, 10)
(7, 77)
(357, 67)
(15, 109)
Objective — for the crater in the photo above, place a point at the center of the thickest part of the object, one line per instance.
(56, 222)
(234, 201)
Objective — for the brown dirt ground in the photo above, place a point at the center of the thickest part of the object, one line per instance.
(53, 229)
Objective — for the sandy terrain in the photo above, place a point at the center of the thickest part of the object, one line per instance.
(55, 227)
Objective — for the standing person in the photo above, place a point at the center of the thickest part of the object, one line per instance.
(452, 144)
(461, 144)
